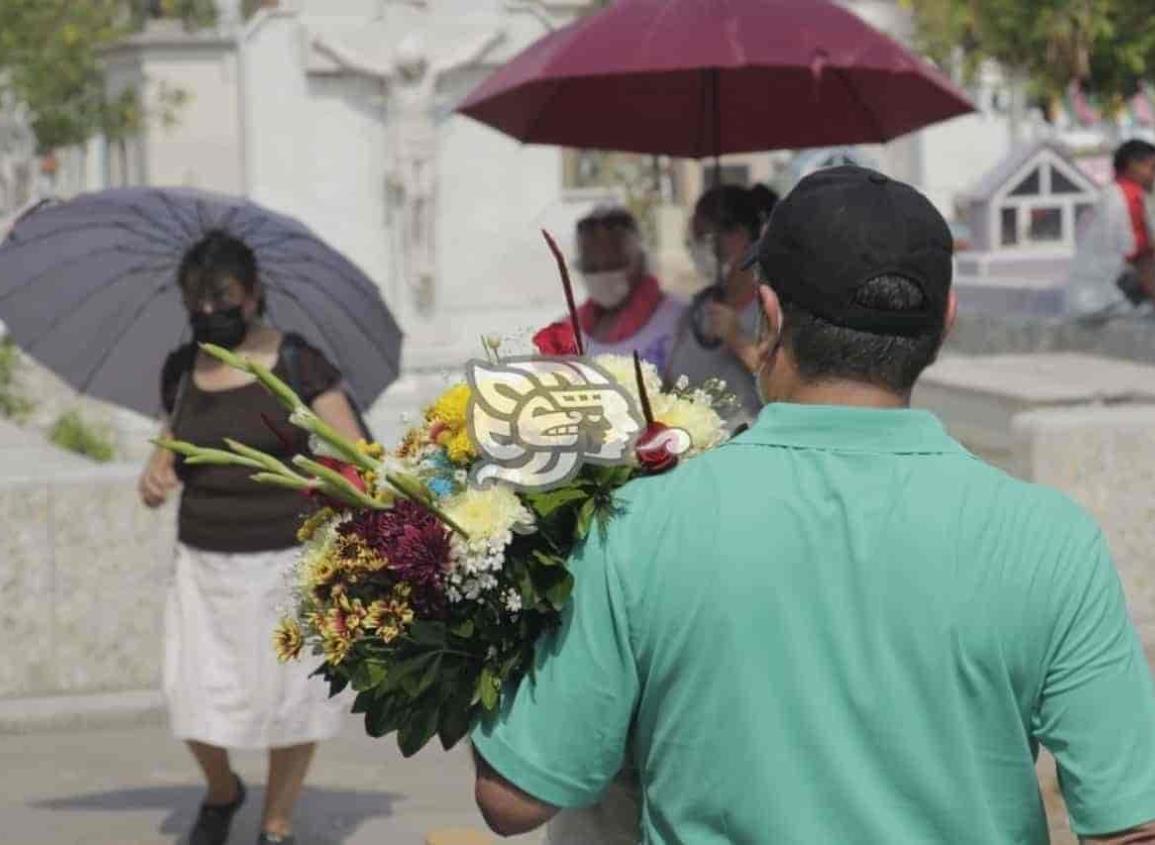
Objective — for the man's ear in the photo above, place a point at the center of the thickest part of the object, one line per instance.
(951, 313)
(771, 309)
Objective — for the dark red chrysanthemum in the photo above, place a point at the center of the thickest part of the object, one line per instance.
(416, 545)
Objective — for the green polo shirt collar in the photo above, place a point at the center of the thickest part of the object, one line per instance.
(846, 428)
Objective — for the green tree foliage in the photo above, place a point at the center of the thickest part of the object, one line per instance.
(75, 434)
(14, 403)
(49, 56)
(1109, 44)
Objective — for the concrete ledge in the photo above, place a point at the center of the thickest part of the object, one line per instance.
(114, 709)
(1131, 337)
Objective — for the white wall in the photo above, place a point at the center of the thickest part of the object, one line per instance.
(316, 149)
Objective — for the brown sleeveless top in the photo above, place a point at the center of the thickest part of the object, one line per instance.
(221, 508)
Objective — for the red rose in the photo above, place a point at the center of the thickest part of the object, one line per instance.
(655, 448)
(556, 339)
(347, 470)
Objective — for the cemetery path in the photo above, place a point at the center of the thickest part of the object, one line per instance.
(138, 786)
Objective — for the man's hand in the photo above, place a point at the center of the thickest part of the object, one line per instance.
(506, 809)
(158, 479)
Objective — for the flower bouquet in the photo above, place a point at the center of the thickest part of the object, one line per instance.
(428, 572)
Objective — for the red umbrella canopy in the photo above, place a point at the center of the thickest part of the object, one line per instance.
(695, 78)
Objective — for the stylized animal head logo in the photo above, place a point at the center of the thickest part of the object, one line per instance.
(536, 420)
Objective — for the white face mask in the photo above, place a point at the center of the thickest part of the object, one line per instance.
(608, 289)
(706, 261)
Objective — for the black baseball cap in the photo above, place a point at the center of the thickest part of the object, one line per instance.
(843, 226)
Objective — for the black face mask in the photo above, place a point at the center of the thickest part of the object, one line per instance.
(225, 328)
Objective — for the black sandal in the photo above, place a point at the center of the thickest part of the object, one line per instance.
(213, 820)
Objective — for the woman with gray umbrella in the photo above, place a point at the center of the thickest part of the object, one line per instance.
(224, 685)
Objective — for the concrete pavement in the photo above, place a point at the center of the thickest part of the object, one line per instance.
(135, 785)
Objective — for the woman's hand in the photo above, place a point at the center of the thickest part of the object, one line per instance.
(159, 478)
(723, 323)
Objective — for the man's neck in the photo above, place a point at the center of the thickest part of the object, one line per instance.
(855, 394)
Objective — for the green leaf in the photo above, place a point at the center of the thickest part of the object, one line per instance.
(559, 593)
(363, 701)
(405, 672)
(457, 712)
(419, 727)
(367, 674)
(377, 672)
(463, 630)
(489, 689)
(337, 684)
(586, 517)
(546, 503)
(384, 716)
(547, 559)
(427, 633)
(427, 679)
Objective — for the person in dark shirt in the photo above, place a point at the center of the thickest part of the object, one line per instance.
(236, 544)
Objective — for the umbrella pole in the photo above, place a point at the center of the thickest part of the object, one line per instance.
(717, 180)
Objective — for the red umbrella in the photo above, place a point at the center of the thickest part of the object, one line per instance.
(699, 78)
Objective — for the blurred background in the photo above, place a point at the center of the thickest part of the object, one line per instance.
(242, 98)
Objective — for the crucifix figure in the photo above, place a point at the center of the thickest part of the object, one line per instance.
(410, 78)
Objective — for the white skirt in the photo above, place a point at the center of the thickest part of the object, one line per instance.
(223, 682)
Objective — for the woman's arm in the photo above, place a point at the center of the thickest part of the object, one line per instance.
(333, 407)
(159, 477)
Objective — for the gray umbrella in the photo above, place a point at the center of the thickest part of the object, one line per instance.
(88, 288)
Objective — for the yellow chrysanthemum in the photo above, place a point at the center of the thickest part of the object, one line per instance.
(310, 526)
(451, 407)
(288, 640)
(320, 571)
(356, 556)
(459, 447)
(336, 648)
(352, 613)
(411, 442)
(489, 512)
(372, 450)
(700, 421)
(388, 618)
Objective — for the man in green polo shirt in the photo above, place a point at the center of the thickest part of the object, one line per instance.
(840, 627)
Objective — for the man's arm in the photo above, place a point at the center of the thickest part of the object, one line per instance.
(561, 734)
(1096, 708)
(506, 809)
(471, 55)
(1143, 835)
(350, 61)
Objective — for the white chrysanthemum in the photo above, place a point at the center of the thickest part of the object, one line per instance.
(705, 427)
(621, 370)
(490, 512)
